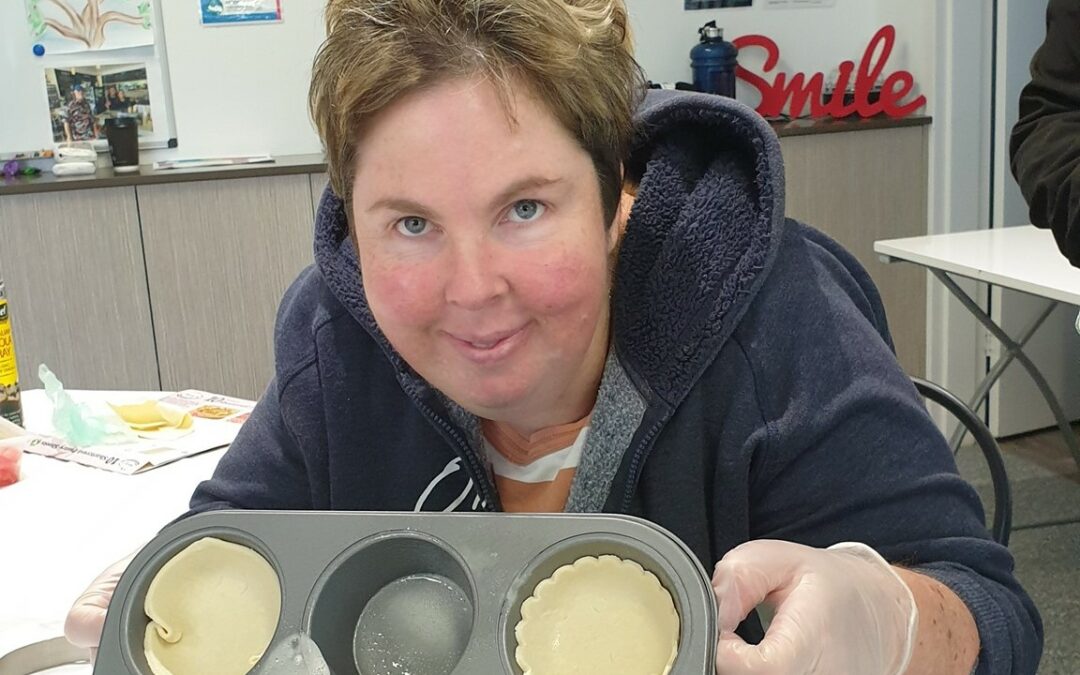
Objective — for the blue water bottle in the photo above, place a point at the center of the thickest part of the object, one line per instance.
(713, 61)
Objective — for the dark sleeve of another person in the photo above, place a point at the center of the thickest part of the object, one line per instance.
(1045, 144)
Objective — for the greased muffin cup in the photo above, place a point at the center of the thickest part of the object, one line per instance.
(428, 594)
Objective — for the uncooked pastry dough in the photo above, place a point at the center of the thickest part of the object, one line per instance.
(598, 616)
(213, 608)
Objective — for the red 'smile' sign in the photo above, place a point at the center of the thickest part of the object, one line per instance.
(800, 90)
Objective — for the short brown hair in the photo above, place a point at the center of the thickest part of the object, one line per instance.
(576, 55)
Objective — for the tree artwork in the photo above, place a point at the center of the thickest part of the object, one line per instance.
(88, 25)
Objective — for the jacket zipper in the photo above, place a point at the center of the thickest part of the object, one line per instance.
(479, 475)
(637, 463)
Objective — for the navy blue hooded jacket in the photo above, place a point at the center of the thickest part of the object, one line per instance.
(752, 349)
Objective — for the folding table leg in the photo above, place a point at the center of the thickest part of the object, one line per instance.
(1014, 350)
(998, 368)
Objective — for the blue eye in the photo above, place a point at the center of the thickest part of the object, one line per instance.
(525, 211)
(412, 226)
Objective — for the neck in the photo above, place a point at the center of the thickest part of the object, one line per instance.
(527, 425)
(569, 405)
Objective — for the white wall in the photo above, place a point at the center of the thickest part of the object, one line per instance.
(810, 39)
(916, 46)
(968, 139)
(242, 89)
(1016, 405)
(1021, 29)
(960, 160)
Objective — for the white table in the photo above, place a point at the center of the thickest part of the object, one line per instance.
(63, 523)
(1024, 259)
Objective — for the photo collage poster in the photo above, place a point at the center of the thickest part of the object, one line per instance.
(99, 60)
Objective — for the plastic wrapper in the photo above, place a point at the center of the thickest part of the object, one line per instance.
(75, 422)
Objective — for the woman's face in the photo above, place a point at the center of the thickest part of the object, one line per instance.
(484, 251)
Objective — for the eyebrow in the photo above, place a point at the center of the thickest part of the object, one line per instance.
(409, 206)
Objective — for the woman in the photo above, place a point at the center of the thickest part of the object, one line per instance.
(112, 100)
(476, 334)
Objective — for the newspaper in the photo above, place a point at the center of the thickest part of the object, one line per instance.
(216, 420)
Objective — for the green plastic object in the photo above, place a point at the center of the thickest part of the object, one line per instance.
(74, 422)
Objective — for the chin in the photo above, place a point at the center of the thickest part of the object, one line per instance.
(489, 403)
(491, 408)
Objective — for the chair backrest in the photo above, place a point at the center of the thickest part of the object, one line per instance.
(1002, 525)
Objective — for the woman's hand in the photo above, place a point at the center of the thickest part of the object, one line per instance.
(838, 610)
(86, 618)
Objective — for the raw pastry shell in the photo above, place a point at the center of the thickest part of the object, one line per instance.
(213, 608)
(600, 616)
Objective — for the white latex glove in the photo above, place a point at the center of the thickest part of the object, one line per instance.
(86, 618)
(838, 610)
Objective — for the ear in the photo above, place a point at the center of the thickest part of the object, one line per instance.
(622, 215)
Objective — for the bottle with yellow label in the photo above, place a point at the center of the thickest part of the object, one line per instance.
(10, 400)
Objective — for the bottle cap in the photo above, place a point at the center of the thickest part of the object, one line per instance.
(711, 32)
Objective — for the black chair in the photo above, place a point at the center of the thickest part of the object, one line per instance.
(991, 452)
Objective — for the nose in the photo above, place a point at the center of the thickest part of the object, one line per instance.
(476, 276)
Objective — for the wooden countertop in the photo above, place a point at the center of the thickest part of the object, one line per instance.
(105, 177)
(314, 163)
(828, 125)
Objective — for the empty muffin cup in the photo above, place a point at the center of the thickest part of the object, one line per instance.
(396, 603)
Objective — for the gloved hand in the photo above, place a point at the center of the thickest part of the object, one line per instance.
(86, 618)
(837, 610)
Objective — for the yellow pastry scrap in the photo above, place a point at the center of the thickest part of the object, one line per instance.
(152, 415)
(600, 616)
(213, 608)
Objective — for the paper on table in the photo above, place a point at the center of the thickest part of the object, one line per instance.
(211, 161)
(216, 420)
(9, 429)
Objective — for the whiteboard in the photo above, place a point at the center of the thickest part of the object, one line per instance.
(242, 89)
(26, 125)
(228, 89)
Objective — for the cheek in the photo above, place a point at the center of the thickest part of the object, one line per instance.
(400, 296)
(568, 285)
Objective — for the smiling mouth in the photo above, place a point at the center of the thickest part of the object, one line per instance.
(490, 347)
(489, 341)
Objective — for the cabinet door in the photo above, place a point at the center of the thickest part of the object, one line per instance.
(73, 265)
(859, 187)
(219, 256)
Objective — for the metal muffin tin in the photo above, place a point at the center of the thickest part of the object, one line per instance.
(331, 564)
